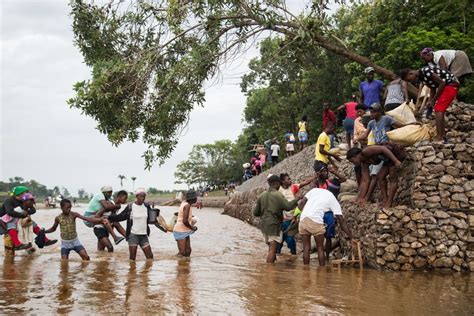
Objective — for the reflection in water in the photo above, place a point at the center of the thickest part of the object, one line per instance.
(137, 293)
(183, 286)
(16, 273)
(65, 289)
(226, 275)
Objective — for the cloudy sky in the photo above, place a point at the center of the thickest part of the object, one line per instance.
(43, 139)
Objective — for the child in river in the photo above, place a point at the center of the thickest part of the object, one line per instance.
(67, 224)
(184, 227)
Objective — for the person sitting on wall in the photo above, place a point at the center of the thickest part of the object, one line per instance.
(391, 156)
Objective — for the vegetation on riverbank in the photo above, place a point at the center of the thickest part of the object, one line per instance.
(152, 60)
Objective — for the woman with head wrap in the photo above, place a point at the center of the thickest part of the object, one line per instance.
(454, 61)
(138, 216)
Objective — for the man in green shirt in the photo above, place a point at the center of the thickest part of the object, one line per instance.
(270, 207)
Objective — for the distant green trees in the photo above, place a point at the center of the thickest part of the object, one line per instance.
(81, 193)
(213, 164)
(290, 78)
(37, 189)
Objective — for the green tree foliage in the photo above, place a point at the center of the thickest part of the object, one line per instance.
(152, 190)
(81, 193)
(66, 192)
(210, 164)
(398, 30)
(287, 82)
(121, 177)
(37, 189)
(290, 78)
(150, 60)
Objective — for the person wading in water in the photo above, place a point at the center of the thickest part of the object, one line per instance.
(184, 227)
(270, 206)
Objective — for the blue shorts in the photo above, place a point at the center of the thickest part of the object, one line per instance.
(303, 137)
(182, 235)
(68, 245)
(348, 124)
(330, 223)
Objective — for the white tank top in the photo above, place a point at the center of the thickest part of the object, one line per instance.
(448, 55)
(394, 93)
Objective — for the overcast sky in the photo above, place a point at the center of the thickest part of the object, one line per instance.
(43, 139)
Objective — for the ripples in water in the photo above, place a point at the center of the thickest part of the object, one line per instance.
(226, 275)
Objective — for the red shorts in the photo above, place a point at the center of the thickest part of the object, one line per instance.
(447, 96)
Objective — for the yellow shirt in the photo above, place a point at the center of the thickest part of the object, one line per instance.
(302, 126)
(323, 139)
(370, 139)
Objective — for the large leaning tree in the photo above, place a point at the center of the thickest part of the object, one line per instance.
(151, 59)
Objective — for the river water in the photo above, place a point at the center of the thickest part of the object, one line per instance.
(225, 275)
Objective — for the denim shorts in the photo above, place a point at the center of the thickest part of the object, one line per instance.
(138, 240)
(330, 222)
(68, 245)
(101, 232)
(348, 124)
(182, 235)
(303, 137)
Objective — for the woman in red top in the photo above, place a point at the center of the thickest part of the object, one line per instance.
(351, 115)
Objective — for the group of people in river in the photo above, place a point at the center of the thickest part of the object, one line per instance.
(283, 211)
(103, 215)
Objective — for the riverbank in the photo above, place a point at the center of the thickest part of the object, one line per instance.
(431, 225)
(210, 201)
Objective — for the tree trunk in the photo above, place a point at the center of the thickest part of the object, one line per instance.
(387, 74)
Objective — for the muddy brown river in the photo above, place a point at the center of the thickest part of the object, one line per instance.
(225, 275)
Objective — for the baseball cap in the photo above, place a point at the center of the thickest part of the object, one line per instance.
(369, 69)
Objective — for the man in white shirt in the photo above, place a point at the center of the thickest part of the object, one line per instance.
(314, 204)
(275, 149)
